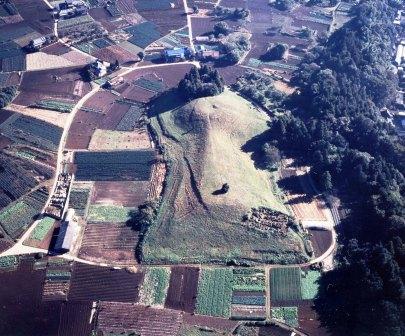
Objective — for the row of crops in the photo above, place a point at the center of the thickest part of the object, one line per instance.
(55, 105)
(109, 214)
(16, 217)
(291, 284)
(131, 117)
(155, 285)
(31, 131)
(114, 166)
(79, 199)
(8, 262)
(214, 292)
(42, 228)
(154, 84)
(143, 34)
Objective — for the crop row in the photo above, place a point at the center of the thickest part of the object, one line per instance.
(214, 292)
(42, 228)
(248, 280)
(155, 285)
(288, 315)
(55, 105)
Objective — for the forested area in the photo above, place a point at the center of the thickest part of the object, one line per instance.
(336, 127)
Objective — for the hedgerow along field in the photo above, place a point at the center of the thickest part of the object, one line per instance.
(203, 150)
(214, 292)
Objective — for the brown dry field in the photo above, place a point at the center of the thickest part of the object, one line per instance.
(56, 83)
(145, 321)
(92, 283)
(112, 53)
(52, 117)
(57, 49)
(138, 94)
(216, 323)
(308, 320)
(321, 240)
(305, 207)
(182, 292)
(85, 123)
(109, 242)
(121, 193)
(119, 140)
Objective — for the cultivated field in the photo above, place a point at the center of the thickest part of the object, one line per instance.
(203, 143)
(109, 242)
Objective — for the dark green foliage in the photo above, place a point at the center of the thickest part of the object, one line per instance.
(233, 50)
(276, 52)
(226, 13)
(7, 94)
(283, 4)
(203, 82)
(221, 28)
(336, 125)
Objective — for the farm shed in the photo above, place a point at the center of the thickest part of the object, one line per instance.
(67, 234)
(176, 54)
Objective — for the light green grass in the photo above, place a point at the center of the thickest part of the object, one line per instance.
(42, 228)
(214, 292)
(309, 284)
(203, 141)
(108, 213)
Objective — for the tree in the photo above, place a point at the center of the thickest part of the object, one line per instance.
(7, 94)
(195, 9)
(277, 52)
(271, 156)
(325, 181)
(221, 28)
(203, 82)
(283, 5)
(141, 55)
(225, 188)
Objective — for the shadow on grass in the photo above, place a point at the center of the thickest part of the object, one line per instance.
(254, 147)
(166, 101)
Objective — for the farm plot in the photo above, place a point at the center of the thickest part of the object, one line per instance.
(9, 79)
(211, 322)
(182, 290)
(36, 14)
(155, 286)
(124, 318)
(214, 292)
(114, 53)
(109, 213)
(248, 279)
(106, 140)
(93, 283)
(109, 242)
(248, 312)
(131, 118)
(120, 193)
(21, 299)
(100, 112)
(166, 15)
(306, 205)
(64, 83)
(321, 241)
(287, 315)
(79, 198)
(16, 217)
(309, 284)
(15, 179)
(114, 166)
(8, 263)
(75, 319)
(57, 281)
(285, 284)
(31, 131)
(42, 234)
(143, 34)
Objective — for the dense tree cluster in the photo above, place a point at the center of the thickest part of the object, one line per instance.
(233, 49)
(7, 94)
(275, 52)
(203, 82)
(337, 126)
(258, 88)
(225, 13)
